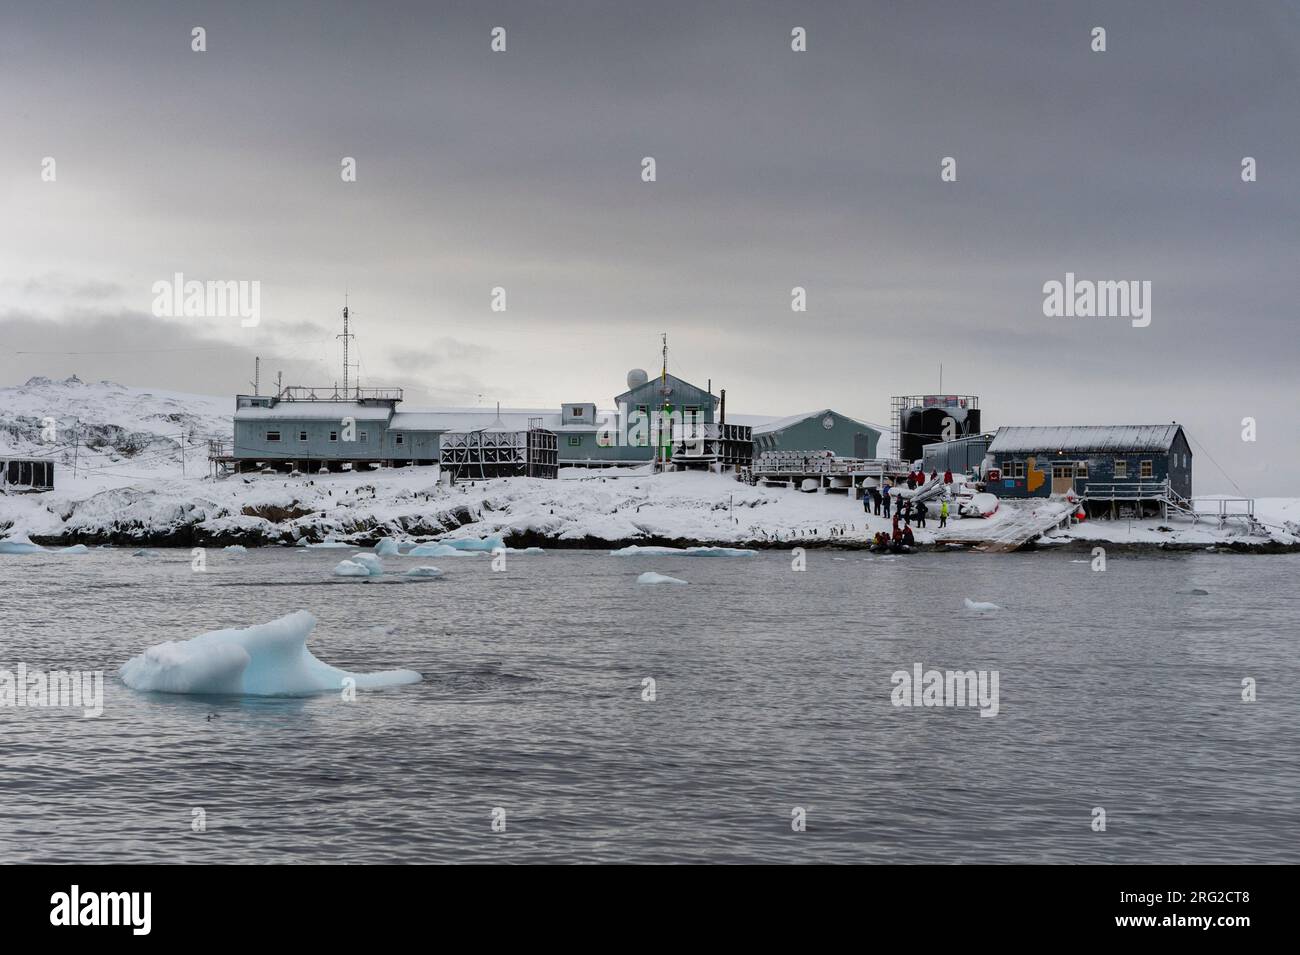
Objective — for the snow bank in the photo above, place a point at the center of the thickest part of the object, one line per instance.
(19, 544)
(637, 551)
(269, 659)
(650, 577)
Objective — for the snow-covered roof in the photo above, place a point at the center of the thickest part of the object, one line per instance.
(1116, 437)
(763, 424)
(314, 411)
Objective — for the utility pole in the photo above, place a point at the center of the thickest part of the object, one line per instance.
(257, 375)
(279, 383)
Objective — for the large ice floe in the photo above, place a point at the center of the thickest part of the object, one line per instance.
(269, 659)
(636, 550)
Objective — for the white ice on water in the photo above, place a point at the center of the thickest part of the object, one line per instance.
(74, 549)
(635, 550)
(980, 605)
(19, 544)
(650, 577)
(436, 549)
(360, 565)
(373, 565)
(387, 547)
(424, 572)
(475, 543)
(269, 659)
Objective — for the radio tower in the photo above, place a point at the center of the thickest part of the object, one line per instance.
(347, 337)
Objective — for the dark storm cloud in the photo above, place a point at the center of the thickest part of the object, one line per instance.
(775, 169)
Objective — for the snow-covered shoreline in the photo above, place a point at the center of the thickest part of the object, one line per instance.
(594, 510)
(131, 464)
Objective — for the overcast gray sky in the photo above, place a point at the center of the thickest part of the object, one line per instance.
(522, 169)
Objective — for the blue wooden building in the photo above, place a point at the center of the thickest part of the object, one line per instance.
(1109, 463)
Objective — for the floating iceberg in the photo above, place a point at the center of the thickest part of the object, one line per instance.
(373, 565)
(352, 568)
(146, 552)
(440, 550)
(236, 549)
(637, 551)
(475, 543)
(387, 547)
(330, 545)
(650, 577)
(980, 605)
(74, 549)
(19, 544)
(424, 572)
(270, 659)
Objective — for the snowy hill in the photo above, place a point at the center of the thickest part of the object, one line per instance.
(112, 433)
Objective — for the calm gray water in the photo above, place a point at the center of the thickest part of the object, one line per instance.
(773, 691)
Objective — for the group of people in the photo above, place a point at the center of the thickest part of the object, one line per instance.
(916, 478)
(877, 501)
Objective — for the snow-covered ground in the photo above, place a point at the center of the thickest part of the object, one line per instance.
(128, 487)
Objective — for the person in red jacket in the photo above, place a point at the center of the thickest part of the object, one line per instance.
(947, 477)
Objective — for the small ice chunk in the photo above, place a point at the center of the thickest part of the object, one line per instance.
(475, 544)
(980, 605)
(347, 568)
(373, 565)
(145, 552)
(636, 550)
(424, 572)
(387, 547)
(236, 549)
(436, 549)
(74, 549)
(650, 577)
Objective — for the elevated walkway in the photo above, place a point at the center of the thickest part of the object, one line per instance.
(1022, 525)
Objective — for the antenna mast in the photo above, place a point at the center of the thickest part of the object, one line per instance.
(347, 337)
(663, 380)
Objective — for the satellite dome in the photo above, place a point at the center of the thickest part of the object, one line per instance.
(636, 378)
